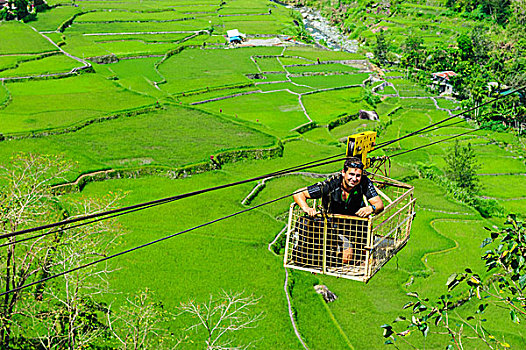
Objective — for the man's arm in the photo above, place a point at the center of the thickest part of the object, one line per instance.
(368, 210)
(301, 199)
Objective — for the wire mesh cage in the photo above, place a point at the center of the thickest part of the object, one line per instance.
(349, 246)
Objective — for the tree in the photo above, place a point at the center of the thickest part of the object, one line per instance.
(220, 318)
(480, 44)
(504, 288)
(137, 324)
(26, 199)
(62, 313)
(414, 50)
(465, 45)
(462, 167)
(67, 307)
(518, 9)
(381, 48)
(499, 10)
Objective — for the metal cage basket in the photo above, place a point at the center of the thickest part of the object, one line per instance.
(348, 246)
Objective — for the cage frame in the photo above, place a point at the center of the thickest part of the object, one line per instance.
(403, 206)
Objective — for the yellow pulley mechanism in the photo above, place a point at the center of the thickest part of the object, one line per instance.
(358, 145)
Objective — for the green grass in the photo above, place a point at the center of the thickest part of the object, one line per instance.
(11, 62)
(261, 109)
(51, 64)
(408, 88)
(275, 23)
(83, 46)
(214, 94)
(135, 48)
(192, 266)
(429, 196)
(4, 95)
(337, 103)
(395, 74)
(147, 38)
(517, 207)
(281, 86)
(324, 55)
(125, 143)
(269, 64)
(49, 104)
(352, 127)
(274, 77)
(51, 19)
(505, 163)
(192, 69)
(142, 27)
(499, 186)
(12, 31)
(138, 75)
(294, 60)
(388, 90)
(118, 16)
(330, 81)
(444, 103)
(330, 67)
(321, 135)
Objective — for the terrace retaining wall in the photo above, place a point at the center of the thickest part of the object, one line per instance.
(73, 128)
(231, 156)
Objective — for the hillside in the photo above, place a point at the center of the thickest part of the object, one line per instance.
(147, 99)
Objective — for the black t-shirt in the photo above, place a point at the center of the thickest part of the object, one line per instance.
(330, 192)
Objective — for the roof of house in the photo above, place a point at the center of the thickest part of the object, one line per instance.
(231, 33)
(446, 74)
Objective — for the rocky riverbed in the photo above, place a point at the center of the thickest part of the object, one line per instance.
(321, 29)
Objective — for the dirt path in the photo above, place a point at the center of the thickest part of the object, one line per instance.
(71, 72)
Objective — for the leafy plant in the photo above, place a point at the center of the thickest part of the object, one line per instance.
(462, 167)
(503, 288)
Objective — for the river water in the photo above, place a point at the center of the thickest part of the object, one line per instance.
(322, 30)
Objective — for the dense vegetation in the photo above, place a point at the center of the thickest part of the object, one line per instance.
(132, 101)
(487, 51)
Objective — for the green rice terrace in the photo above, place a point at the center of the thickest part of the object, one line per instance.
(145, 99)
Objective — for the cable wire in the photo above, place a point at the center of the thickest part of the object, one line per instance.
(383, 144)
(194, 193)
(193, 228)
(433, 143)
(143, 245)
(145, 205)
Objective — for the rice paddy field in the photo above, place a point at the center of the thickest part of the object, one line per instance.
(164, 91)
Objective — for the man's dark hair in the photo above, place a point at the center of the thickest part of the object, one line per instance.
(352, 162)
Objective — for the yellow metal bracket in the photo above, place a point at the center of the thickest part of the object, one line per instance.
(359, 144)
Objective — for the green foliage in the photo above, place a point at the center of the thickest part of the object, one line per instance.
(371, 98)
(381, 48)
(462, 167)
(414, 51)
(503, 288)
(486, 207)
(138, 323)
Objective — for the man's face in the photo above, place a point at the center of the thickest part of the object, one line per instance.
(351, 177)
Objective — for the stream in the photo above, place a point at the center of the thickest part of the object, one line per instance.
(320, 29)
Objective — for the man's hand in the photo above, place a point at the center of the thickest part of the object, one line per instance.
(365, 211)
(309, 211)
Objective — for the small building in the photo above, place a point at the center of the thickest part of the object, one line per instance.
(234, 36)
(441, 82)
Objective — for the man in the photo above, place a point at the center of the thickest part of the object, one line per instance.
(343, 193)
